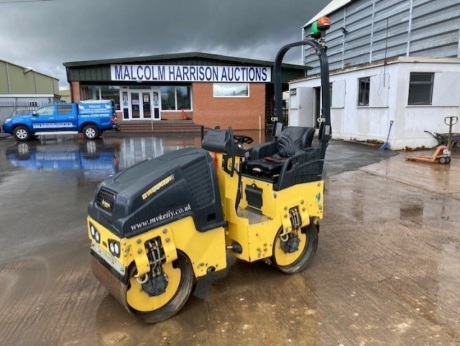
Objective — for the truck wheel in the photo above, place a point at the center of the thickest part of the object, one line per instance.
(90, 132)
(158, 306)
(295, 254)
(21, 133)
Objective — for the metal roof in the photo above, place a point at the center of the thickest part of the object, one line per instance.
(25, 95)
(27, 69)
(178, 56)
(332, 7)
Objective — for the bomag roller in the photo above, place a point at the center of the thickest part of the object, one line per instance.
(160, 226)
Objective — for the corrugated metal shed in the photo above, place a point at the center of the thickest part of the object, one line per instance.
(99, 70)
(365, 31)
(15, 79)
(22, 88)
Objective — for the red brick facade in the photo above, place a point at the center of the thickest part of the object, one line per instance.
(196, 70)
(242, 113)
(75, 91)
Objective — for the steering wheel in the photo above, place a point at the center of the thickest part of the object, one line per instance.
(241, 139)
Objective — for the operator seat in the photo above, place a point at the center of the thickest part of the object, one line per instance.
(268, 159)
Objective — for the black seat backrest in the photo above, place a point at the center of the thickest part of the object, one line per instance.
(293, 139)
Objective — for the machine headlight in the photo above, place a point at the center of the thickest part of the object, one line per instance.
(7, 120)
(95, 233)
(114, 247)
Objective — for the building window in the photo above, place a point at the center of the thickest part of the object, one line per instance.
(176, 98)
(231, 90)
(101, 92)
(363, 91)
(112, 93)
(421, 88)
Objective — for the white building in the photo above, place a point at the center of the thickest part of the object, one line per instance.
(390, 61)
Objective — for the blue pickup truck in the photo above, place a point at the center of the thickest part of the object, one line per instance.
(88, 117)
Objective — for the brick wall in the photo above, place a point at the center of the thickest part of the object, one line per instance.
(75, 91)
(176, 115)
(246, 113)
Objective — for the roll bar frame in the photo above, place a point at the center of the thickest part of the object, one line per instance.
(325, 129)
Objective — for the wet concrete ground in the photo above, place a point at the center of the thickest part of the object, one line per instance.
(386, 271)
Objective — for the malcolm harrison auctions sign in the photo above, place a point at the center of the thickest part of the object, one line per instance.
(183, 73)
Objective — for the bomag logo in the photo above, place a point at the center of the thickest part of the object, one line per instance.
(105, 204)
(157, 186)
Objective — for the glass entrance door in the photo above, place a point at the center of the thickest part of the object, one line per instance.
(146, 105)
(135, 106)
(141, 106)
(156, 105)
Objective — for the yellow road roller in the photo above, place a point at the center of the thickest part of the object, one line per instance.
(159, 227)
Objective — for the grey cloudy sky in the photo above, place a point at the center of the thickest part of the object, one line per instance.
(43, 34)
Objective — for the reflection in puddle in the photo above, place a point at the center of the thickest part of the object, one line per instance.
(136, 149)
(99, 159)
(91, 160)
